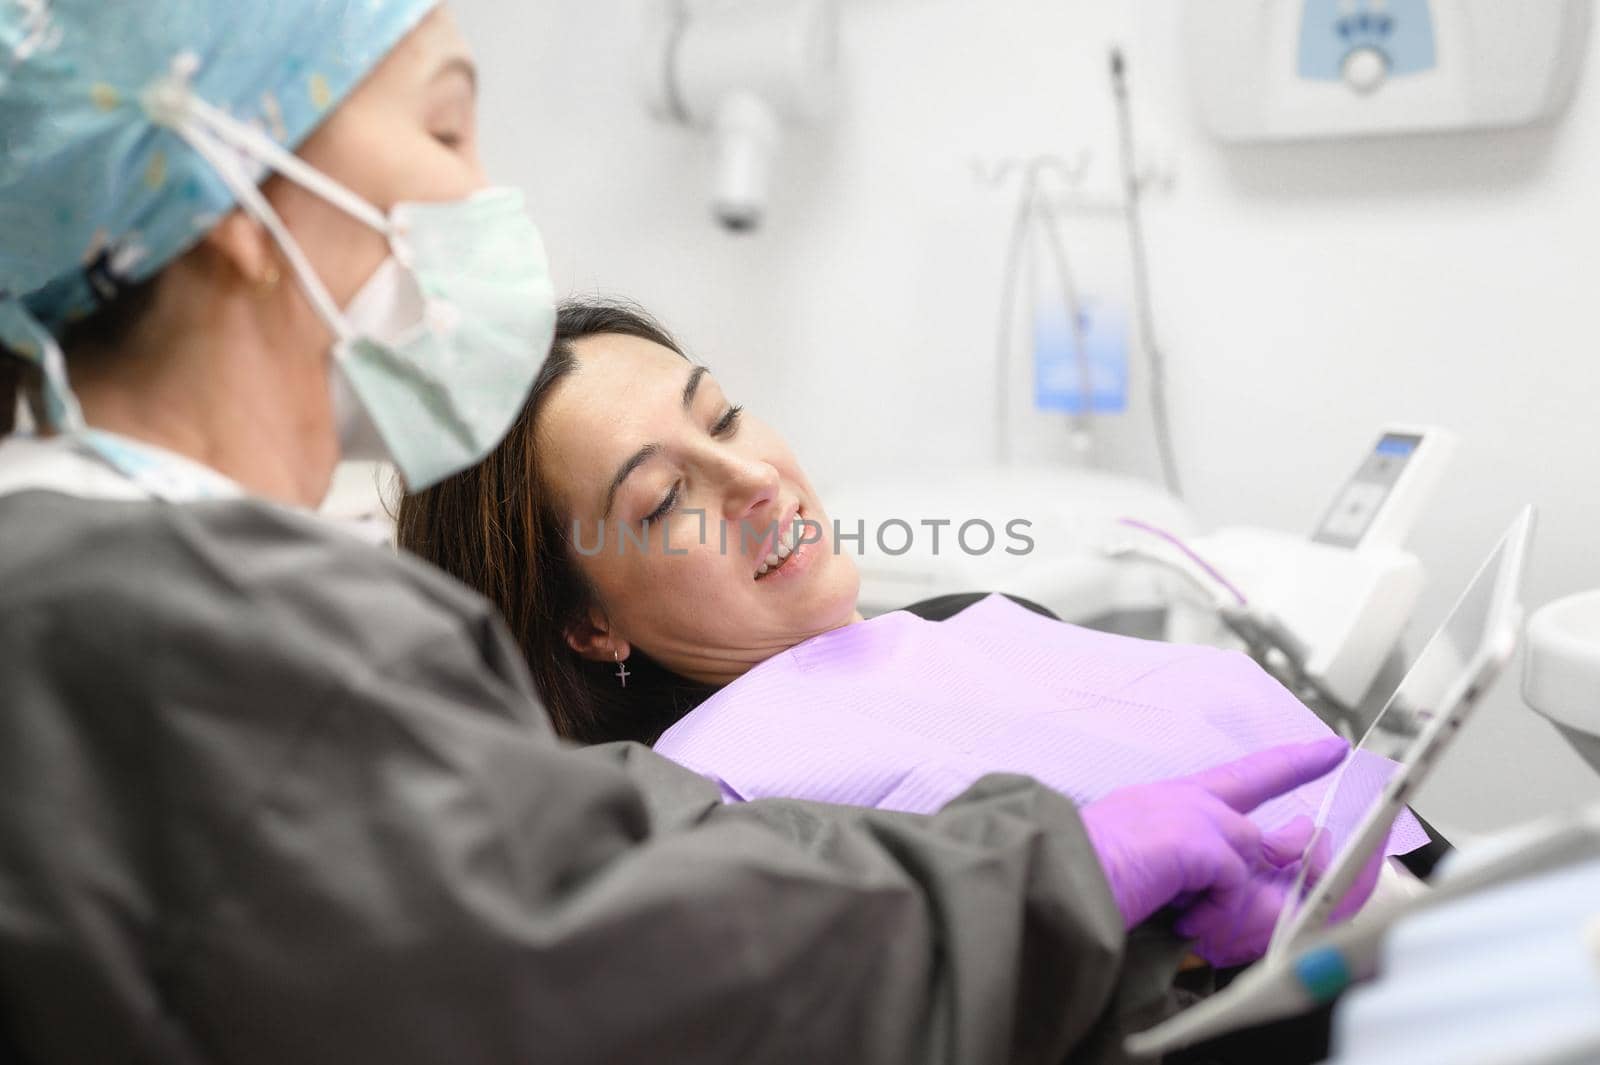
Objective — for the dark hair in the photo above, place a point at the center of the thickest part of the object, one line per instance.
(100, 335)
(495, 527)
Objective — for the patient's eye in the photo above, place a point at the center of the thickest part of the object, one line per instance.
(728, 424)
(666, 506)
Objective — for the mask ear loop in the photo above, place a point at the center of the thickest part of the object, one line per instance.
(172, 103)
(255, 204)
(251, 141)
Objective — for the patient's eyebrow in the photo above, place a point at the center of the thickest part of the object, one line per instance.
(693, 385)
(650, 451)
(639, 458)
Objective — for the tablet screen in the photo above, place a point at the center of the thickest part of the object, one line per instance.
(1455, 664)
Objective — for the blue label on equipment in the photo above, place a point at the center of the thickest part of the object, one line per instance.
(1400, 30)
(1098, 380)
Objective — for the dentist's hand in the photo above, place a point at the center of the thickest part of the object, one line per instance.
(1233, 928)
(1189, 838)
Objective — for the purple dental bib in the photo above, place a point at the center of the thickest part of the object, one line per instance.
(900, 713)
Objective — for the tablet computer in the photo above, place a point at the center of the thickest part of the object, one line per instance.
(1417, 725)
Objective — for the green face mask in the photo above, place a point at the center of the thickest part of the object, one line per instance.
(445, 339)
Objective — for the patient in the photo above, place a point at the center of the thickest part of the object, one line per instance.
(708, 636)
(621, 429)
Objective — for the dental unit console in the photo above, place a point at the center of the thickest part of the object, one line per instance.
(1337, 603)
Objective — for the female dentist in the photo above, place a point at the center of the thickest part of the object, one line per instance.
(273, 795)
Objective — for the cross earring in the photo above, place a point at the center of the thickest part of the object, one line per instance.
(622, 670)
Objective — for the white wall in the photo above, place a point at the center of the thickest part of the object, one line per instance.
(1306, 294)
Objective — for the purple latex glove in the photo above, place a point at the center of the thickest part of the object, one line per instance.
(1234, 928)
(1189, 839)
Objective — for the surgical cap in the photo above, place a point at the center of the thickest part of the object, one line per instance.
(94, 194)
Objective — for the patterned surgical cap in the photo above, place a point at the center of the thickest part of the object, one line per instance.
(95, 195)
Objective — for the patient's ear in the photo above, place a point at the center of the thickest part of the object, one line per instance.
(592, 638)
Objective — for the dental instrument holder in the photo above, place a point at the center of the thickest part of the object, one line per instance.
(1325, 614)
(1320, 618)
(1561, 674)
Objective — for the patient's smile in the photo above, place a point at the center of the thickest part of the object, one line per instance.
(791, 554)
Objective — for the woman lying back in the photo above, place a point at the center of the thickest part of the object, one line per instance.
(674, 578)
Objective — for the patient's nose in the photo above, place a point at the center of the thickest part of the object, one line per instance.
(752, 493)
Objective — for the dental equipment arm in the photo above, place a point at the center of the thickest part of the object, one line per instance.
(1266, 638)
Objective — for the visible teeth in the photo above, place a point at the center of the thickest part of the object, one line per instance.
(786, 545)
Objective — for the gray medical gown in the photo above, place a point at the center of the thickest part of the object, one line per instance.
(273, 795)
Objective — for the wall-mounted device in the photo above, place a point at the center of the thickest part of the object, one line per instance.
(740, 71)
(1266, 70)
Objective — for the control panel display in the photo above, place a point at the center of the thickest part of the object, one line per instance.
(1359, 504)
